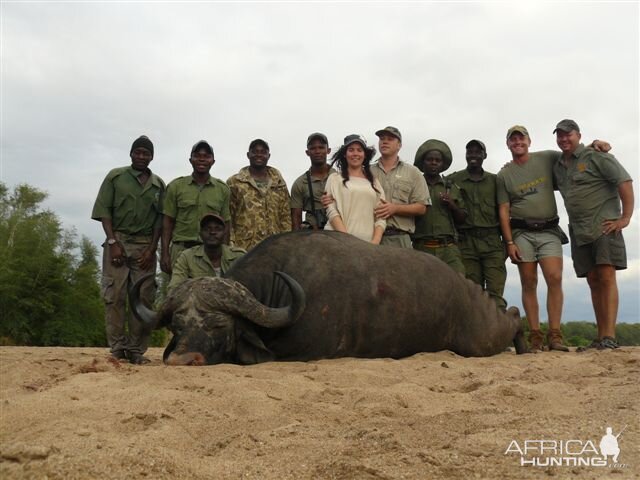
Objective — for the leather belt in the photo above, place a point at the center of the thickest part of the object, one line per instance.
(437, 243)
(394, 231)
(534, 224)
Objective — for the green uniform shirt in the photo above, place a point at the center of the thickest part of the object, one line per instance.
(300, 196)
(480, 199)
(529, 187)
(404, 184)
(589, 186)
(438, 221)
(194, 263)
(186, 202)
(134, 209)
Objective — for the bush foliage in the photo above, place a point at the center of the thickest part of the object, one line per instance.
(49, 281)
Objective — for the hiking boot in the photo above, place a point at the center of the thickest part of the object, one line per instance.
(554, 340)
(594, 344)
(536, 341)
(608, 342)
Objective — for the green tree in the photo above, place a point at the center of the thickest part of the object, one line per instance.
(32, 263)
(46, 295)
(80, 318)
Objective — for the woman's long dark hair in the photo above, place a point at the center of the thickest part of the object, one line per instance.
(340, 157)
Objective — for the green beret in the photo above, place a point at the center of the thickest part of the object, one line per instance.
(429, 145)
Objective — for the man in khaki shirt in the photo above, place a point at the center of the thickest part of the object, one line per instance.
(405, 190)
(594, 186)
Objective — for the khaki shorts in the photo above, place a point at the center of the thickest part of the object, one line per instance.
(536, 245)
(606, 250)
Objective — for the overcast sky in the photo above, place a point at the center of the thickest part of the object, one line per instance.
(81, 80)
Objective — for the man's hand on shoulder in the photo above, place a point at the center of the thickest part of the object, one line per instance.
(600, 146)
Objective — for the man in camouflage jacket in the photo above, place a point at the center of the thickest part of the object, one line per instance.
(259, 202)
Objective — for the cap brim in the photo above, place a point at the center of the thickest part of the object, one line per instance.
(381, 132)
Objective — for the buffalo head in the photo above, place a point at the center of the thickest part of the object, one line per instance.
(213, 320)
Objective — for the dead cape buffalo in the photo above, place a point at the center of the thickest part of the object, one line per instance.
(310, 295)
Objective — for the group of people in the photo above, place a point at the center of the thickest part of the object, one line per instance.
(471, 219)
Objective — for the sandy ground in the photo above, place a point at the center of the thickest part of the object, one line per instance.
(75, 413)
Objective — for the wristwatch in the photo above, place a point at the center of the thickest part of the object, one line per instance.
(111, 241)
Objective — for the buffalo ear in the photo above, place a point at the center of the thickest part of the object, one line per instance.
(249, 347)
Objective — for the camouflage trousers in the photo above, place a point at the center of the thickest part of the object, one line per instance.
(116, 282)
(483, 259)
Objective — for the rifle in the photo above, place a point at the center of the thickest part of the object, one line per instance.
(316, 213)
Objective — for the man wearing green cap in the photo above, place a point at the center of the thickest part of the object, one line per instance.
(260, 201)
(307, 190)
(128, 206)
(593, 185)
(405, 190)
(187, 199)
(211, 259)
(436, 231)
(479, 240)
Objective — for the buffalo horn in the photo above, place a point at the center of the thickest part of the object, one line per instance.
(140, 310)
(269, 317)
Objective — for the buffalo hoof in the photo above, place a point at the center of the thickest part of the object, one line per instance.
(190, 358)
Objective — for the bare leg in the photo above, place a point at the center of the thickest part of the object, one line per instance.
(552, 271)
(604, 296)
(529, 282)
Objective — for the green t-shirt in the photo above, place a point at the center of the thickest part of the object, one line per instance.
(438, 221)
(589, 186)
(186, 202)
(480, 199)
(134, 209)
(529, 187)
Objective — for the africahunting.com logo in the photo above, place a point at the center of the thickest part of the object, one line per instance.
(569, 453)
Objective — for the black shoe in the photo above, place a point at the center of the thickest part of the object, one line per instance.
(608, 342)
(138, 359)
(594, 344)
(119, 355)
